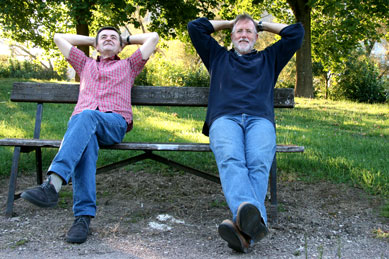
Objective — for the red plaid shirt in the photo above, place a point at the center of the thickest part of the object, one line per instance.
(106, 83)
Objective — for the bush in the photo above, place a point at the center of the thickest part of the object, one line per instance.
(359, 82)
(162, 72)
(285, 84)
(13, 68)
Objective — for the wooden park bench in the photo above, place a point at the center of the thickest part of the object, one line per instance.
(41, 93)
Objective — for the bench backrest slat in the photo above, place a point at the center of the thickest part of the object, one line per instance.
(141, 95)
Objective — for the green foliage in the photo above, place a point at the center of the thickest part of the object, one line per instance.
(359, 82)
(162, 72)
(170, 18)
(36, 21)
(175, 64)
(338, 28)
(32, 21)
(13, 68)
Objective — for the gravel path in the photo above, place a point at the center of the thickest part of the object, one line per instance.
(143, 215)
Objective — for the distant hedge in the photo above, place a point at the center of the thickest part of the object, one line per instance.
(13, 68)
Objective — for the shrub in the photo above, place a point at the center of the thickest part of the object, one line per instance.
(13, 68)
(163, 72)
(285, 84)
(359, 82)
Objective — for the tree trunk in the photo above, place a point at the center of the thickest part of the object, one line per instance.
(327, 81)
(82, 29)
(304, 80)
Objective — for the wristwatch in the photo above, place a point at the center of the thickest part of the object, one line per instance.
(128, 39)
(259, 26)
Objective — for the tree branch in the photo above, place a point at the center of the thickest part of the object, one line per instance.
(29, 53)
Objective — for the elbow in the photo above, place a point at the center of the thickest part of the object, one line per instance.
(155, 38)
(190, 25)
(57, 37)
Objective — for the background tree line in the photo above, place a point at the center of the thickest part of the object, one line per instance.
(339, 37)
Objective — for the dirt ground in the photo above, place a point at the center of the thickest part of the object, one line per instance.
(143, 215)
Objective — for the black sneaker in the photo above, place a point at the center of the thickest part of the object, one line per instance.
(44, 196)
(79, 231)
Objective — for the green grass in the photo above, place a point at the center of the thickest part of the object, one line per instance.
(345, 142)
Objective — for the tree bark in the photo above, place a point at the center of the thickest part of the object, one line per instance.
(82, 29)
(304, 79)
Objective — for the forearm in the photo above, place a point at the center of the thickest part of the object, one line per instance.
(140, 38)
(148, 41)
(273, 27)
(65, 42)
(221, 24)
(75, 39)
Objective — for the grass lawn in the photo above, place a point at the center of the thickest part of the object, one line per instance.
(344, 141)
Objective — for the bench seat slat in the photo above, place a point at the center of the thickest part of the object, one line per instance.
(198, 147)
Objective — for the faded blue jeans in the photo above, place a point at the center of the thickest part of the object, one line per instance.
(244, 147)
(77, 156)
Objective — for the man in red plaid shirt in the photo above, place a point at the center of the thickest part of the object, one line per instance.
(102, 116)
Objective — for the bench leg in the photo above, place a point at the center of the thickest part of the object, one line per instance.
(273, 191)
(194, 171)
(122, 163)
(12, 182)
(38, 163)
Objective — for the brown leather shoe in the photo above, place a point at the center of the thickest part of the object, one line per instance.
(249, 221)
(230, 233)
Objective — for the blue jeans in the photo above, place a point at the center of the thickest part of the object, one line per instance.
(244, 148)
(77, 155)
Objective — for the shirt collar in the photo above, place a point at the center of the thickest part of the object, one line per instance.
(99, 58)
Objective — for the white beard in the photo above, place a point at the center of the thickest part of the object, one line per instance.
(243, 49)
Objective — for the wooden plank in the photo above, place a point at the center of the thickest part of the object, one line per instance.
(170, 96)
(141, 95)
(44, 92)
(196, 147)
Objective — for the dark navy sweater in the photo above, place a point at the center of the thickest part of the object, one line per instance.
(242, 84)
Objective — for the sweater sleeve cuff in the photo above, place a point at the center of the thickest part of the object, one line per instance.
(290, 28)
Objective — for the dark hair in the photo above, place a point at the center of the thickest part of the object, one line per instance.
(242, 17)
(108, 28)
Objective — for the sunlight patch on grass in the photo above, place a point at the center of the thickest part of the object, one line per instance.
(170, 127)
(8, 131)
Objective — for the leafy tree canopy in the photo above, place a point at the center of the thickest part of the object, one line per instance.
(336, 27)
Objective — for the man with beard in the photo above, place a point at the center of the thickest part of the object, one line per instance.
(240, 116)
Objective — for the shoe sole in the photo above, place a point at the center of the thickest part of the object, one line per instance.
(229, 234)
(36, 202)
(249, 222)
(76, 240)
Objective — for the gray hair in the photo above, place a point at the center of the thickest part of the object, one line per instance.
(242, 17)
